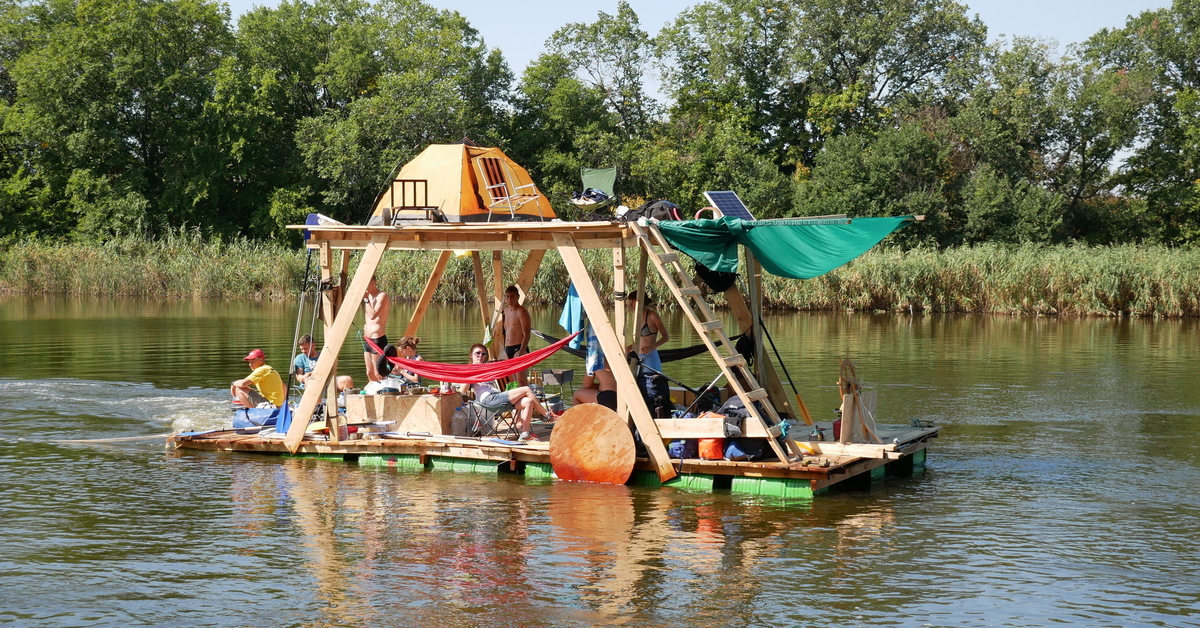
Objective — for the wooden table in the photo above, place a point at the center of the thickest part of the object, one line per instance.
(411, 413)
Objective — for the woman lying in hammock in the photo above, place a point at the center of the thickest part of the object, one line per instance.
(523, 399)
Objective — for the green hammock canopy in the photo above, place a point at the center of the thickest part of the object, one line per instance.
(800, 248)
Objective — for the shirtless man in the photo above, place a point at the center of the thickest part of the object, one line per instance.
(516, 329)
(375, 315)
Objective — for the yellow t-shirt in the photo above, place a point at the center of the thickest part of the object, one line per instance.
(269, 384)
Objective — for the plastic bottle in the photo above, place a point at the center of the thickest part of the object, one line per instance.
(458, 424)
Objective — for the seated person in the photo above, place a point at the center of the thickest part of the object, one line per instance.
(390, 374)
(599, 385)
(523, 400)
(604, 393)
(265, 379)
(408, 350)
(306, 361)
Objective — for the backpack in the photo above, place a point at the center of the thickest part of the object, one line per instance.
(659, 210)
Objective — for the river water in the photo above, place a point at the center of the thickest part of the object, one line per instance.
(1062, 491)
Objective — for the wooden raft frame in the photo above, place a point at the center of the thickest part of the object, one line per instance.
(568, 238)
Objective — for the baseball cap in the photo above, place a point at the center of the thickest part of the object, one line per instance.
(257, 353)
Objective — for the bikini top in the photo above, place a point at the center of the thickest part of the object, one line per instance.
(646, 331)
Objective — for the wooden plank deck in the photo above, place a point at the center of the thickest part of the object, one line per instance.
(822, 470)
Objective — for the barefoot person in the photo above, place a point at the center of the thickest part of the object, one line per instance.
(523, 400)
(264, 378)
(516, 329)
(375, 315)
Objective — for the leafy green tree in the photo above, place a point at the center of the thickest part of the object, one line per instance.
(1162, 47)
(891, 172)
(558, 125)
(393, 95)
(999, 208)
(109, 107)
(613, 55)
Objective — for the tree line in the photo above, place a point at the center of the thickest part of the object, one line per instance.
(144, 117)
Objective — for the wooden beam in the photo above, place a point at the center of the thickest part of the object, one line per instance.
(481, 289)
(497, 322)
(331, 301)
(612, 345)
(431, 285)
(619, 311)
(528, 271)
(335, 337)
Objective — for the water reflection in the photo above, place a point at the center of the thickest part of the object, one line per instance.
(1065, 443)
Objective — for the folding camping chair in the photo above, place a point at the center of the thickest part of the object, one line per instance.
(497, 180)
(497, 421)
(602, 179)
(560, 378)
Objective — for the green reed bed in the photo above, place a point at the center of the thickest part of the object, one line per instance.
(181, 264)
(1027, 279)
(1024, 280)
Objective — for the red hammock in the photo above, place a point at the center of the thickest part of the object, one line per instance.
(474, 373)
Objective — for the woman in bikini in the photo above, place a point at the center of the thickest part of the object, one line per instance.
(522, 399)
(652, 334)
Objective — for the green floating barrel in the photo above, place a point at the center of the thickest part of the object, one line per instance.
(918, 460)
(784, 488)
(338, 457)
(397, 461)
(698, 482)
(464, 465)
(539, 471)
(644, 478)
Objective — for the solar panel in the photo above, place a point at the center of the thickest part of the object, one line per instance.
(729, 204)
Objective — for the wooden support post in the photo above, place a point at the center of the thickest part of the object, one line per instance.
(640, 305)
(528, 271)
(612, 345)
(330, 301)
(619, 311)
(754, 280)
(497, 321)
(335, 337)
(431, 285)
(481, 289)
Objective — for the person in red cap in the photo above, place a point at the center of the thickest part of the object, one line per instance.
(264, 378)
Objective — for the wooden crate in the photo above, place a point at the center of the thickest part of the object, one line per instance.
(411, 413)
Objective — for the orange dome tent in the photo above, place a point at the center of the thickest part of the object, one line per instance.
(466, 183)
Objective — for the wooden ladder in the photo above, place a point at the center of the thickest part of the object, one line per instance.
(732, 364)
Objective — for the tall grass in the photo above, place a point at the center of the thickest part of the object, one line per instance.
(1025, 280)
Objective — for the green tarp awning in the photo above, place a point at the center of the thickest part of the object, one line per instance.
(800, 249)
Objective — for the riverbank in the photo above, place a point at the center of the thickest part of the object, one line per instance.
(1024, 280)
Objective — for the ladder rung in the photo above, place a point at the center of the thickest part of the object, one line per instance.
(758, 394)
(668, 258)
(735, 360)
(689, 291)
(712, 325)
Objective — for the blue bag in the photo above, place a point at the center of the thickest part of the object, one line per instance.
(748, 449)
(684, 448)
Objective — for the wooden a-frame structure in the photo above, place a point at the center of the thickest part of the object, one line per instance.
(340, 301)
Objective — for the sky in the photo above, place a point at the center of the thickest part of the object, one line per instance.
(520, 28)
